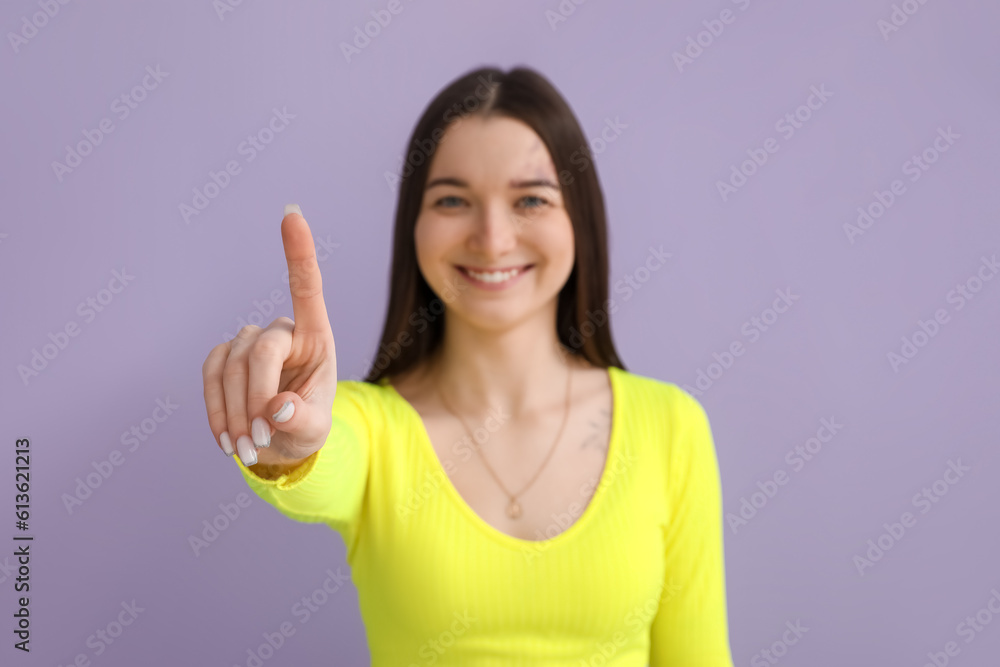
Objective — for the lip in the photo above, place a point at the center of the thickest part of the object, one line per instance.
(494, 287)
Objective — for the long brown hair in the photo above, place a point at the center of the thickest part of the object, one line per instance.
(414, 321)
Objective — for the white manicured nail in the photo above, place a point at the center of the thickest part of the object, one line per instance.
(227, 444)
(285, 413)
(292, 208)
(261, 431)
(246, 449)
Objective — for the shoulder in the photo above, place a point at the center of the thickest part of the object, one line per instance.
(674, 421)
(362, 399)
(684, 443)
(359, 389)
(660, 397)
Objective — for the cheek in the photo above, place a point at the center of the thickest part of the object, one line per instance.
(555, 239)
(424, 238)
(432, 241)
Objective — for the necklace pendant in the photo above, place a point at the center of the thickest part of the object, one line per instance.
(513, 509)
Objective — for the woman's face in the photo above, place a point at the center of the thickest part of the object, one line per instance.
(493, 203)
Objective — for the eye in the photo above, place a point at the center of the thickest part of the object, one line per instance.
(449, 197)
(540, 200)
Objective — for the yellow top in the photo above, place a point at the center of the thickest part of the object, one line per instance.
(637, 578)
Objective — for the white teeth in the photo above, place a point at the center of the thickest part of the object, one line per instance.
(495, 277)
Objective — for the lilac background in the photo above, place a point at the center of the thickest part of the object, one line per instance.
(825, 357)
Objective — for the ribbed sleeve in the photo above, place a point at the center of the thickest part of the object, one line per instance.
(691, 626)
(329, 486)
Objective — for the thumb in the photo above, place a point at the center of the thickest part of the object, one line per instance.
(304, 422)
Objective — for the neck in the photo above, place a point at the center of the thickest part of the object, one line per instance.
(519, 370)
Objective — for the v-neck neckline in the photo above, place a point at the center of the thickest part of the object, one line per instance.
(593, 506)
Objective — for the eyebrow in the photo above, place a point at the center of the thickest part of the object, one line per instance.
(541, 182)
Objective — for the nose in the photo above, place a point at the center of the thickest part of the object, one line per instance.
(495, 232)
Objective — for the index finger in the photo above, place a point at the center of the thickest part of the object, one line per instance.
(304, 279)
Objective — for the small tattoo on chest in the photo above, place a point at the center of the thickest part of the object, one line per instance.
(597, 435)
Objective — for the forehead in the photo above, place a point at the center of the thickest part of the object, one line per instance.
(478, 149)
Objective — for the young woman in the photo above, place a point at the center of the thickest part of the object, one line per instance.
(508, 493)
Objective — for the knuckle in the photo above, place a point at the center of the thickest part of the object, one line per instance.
(248, 331)
(265, 349)
(211, 360)
(305, 289)
(234, 370)
(217, 419)
(256, 401)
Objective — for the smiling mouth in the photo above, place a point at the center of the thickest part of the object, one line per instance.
(494, 276)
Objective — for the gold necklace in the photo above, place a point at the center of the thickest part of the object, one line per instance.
(514, 508)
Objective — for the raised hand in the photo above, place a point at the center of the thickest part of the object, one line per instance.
(269, 392)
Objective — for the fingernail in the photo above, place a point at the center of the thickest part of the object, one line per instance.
(247, 452)
(261, 431)
(285, 413)
(227, 444)
(292, 208)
